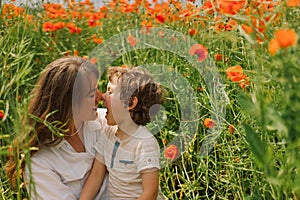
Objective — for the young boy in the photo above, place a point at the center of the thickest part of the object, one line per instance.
(130, 153)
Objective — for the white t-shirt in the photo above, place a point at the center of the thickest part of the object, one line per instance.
(60, 172)
(126, 159)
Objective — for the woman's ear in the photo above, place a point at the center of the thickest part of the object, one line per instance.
(134, 102)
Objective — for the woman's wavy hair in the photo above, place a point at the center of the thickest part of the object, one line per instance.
(137, 82)
(59, 87)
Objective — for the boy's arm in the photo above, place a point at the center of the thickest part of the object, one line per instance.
(150, 182)
(94, 181)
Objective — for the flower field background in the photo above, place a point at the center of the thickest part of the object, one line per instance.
(253, 46)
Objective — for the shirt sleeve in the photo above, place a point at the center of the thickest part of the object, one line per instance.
(44, 184)
(147, 155)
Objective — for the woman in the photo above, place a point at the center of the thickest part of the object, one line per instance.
(62, 114)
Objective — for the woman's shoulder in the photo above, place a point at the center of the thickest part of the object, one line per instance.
(92, 125)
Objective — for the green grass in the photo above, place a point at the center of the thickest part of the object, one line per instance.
(259, 160)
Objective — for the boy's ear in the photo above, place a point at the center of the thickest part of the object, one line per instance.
(134, 102)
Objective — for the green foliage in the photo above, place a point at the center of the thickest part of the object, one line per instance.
(257, 159)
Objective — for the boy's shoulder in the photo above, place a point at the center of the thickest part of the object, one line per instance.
(143, 136)
(143, 133)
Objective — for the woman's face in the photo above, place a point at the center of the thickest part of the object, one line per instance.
(116, 112)
(87, 109)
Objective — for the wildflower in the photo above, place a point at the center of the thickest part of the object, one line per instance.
(231, 7)
(76, 52)
(192, 32)
(230, 25)
(200, 89)
(273, 46)
(48, 27)
(209, 123)
(93, 20)
(131, 40)
(247, 28)
(59, 25)
(73, 28)
(286, 38)
(67, 52)
(208, 7)
(146, 27)
(171, 152)
(1, 114)
(93, 60)
(235, 73)
(244, 82)
(200, 51)
(293, 3)
(218, 57)
(161, 34)
(98, 40)
(160, 18)
(231, 129)
(164, 141)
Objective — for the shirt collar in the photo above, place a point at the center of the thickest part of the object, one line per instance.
(87, 126)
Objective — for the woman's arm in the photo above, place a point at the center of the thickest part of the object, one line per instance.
(150, 182)
(94, 181)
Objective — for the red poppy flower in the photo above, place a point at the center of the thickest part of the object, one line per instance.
(230, 6)
(160, 18)
(247, 28)
(192, 32)
(200, 51)
(98, 40)
(131, 40)
(73, 28)
(209, 123)
(171, 152)
(59, 25)
(231, 129)
(286, 38)
(93, 60)
(75, 52)
(273, 46)
(235, 73)
(218, 57)
(48, 27)
(293, 3)
(244, 83)
(1, 114)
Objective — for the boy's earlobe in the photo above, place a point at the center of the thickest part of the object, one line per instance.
(134, 101)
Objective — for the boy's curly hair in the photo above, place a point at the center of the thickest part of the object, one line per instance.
(137, 82)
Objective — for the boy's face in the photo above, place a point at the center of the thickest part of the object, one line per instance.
(116, 111)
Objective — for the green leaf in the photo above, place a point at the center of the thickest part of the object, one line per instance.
(259, 149)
